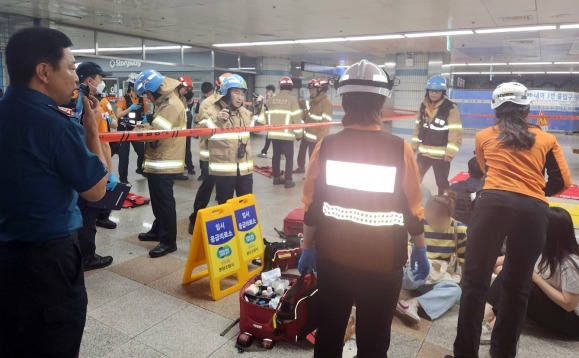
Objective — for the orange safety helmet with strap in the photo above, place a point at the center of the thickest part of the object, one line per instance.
(322, 83)
(219, 80)
(285, 81)
(312, 83)
(187, 82)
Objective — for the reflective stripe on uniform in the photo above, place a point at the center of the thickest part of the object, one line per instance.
(204, 154)
(452, 147)
(454, 126)
(162, 122)
(315, 117)
(230, 167)
(281, 135)
(359, 176)
(416, 139)
(431, 150)
(230, 136)
(364, 217)
(163, 164)
(310, 136)
(327, 117)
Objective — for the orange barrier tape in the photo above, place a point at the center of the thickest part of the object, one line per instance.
(195, 132)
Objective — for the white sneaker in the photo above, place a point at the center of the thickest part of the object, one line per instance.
(487, 331)
(408, 310)
(261, 155)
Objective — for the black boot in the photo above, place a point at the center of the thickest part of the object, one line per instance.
(97, 262)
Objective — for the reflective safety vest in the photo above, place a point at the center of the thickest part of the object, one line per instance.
(360, 201)
(437, 137)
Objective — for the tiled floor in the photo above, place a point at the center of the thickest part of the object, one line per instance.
(139, 308)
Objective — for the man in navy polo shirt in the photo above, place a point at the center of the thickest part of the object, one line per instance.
(47, 158)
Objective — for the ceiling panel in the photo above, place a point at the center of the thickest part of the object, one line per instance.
(205, 22)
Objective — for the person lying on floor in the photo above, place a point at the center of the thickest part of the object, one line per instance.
(446, 246)
(554, 298)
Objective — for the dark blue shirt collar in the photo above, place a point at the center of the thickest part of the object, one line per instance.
(32, 96)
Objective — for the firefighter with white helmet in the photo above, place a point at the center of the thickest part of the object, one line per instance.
(164, 158)
(437, 134)
(362, 198)
(319, 109)
(514, 155)
(283, 109)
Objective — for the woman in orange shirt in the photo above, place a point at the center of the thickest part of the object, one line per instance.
(513, 204)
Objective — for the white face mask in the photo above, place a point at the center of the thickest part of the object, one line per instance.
(99, 88)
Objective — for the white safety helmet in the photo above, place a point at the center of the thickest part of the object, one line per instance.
(510, 92)
(364, 76)
(132, 77)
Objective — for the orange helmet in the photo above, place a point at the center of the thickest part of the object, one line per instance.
(286, 81)
(219, 80)
(312, 83)
(322, 83)
(187, 82)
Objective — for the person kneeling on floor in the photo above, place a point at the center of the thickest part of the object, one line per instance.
(446, 246)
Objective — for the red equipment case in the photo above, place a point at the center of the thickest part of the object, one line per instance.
(293, 223)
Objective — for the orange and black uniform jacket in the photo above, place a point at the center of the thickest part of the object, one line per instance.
(357, 226)
(521, 171)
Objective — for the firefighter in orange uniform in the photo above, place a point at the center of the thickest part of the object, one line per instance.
(362, 198)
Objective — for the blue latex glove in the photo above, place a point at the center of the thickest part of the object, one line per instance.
(134, 107)
(419, 263)
(307, 263)
(144, 120)
(110, 119)
(112, 182)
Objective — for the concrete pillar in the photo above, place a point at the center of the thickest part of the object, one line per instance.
(268, 72)
(412, 71)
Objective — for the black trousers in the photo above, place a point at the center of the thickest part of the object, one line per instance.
(204, 165)
(523, 220)
(188, 156)
(441, 170)
(375, 295)
(124, 150)
(87, 233)
(163, 205)
(225, 187)
(541, 309)
(285, 147)
(43, 299)
(266, 146)
(305, 148)
(202, 197)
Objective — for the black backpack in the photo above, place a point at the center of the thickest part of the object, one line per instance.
(462, 204)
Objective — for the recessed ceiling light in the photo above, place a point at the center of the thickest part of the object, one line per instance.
(439, 33)
(558, 72)
(466, 73)
(234, 44)
(515, 29)
(495, 73)
(569, 26)
(313, 41)
(374, 37)
(487, 64)
(567, 63)
(528, 72)
(530, 63)
(268, 43)
(454, 64)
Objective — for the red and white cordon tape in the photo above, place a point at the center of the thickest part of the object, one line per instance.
(137, 135)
